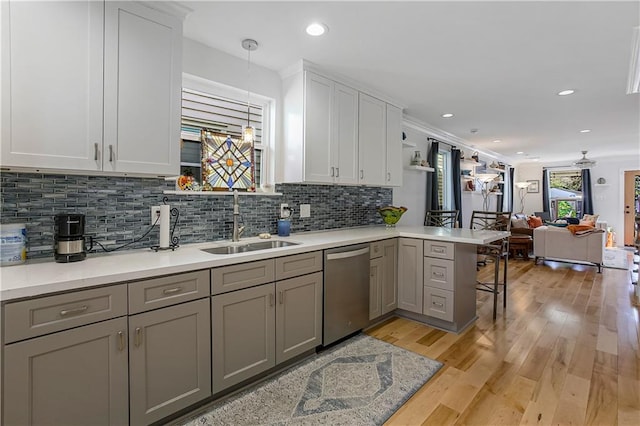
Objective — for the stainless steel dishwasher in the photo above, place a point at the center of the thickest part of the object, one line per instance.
(346, 291)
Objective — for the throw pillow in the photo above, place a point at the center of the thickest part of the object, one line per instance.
(593, 218)
(519, 223)
(588, 223)
(534, 221)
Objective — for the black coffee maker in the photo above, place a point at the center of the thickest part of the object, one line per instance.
(69, 238)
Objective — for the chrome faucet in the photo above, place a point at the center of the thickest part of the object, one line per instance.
(237, 230)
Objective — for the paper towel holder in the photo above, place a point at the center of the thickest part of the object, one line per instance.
(173, 240)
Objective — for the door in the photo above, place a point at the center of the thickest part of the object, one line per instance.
(318, 151)
(410, 264)
(170, 360)
(372, 140)
(52, 58)
(243, 334)
(73, 377)
(298, 315)
(345, 134)
(389, 289)
(631, 207)
(143, 66)
(394, 146)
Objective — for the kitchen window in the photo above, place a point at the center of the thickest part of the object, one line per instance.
(443, 168)
(206, 104)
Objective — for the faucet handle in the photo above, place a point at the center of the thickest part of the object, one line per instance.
(241, 230)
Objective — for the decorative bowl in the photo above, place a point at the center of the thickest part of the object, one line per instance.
(391, 214)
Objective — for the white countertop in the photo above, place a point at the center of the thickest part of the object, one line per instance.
(38, 278)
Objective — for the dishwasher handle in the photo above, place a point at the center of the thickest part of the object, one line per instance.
(347, 254)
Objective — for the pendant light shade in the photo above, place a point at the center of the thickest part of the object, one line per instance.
(584, 162)
(248, 133)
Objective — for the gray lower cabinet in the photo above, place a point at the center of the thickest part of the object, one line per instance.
(383, 283)
(169, 360)
(72, 377)
(410, 264)
(258, 327)
(298, 315)
(243, 334)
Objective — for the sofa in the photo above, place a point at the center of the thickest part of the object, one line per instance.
(555, 243)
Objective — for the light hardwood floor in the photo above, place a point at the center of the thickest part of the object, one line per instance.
(564, 352)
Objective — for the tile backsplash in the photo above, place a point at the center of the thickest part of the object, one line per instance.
(117, 209)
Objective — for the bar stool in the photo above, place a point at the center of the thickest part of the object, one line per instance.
(497, 250)
(442, 218)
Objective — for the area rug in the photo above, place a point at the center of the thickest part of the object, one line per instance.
(362, 381)
(616, 258)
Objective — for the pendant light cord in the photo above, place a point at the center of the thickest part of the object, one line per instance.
(248, 91)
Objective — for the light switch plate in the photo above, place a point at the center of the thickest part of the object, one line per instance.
(305, 210)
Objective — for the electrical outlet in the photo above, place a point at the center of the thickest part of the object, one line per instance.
(305, 210)
(155, 215)
(282, 207)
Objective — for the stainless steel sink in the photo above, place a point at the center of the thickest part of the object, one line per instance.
(243, 248)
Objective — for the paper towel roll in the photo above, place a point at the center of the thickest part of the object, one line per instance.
(164, 226)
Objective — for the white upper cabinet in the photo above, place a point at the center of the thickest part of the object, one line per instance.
(52, 84)
(372, 128)
(336, 134)
(394, 146)
(60, 110)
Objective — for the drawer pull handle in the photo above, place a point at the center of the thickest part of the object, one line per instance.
(120, 341)
(111, 153)
(439, 304)
(281, 297)
(271, 301)
(438, 274)
(438, 250)
(172, 290)
(95, 152)
(73, 311)
(138, 338)
(337, 171)
(333, 171)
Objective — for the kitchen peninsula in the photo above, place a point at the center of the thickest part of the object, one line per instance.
(180, 319)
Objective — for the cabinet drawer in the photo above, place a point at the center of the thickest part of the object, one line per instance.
(236, 277)
(438, 303)
(438, 249)
(45, 315)
(299, 264)
(438, 273)
(375, 250)
(159, 292)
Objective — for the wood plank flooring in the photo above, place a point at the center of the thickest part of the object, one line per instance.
(565, 352)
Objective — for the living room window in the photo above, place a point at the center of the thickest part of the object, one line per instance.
(565, 193)
(443, 168)
(223, 109)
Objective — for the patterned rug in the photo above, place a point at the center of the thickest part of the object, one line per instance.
(362, 381)
(615, 258)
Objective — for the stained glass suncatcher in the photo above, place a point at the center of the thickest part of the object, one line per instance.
(227, 162)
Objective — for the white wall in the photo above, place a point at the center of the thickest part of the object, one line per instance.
(608, 201)
(412, 193)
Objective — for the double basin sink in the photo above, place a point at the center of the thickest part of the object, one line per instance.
(243, 248)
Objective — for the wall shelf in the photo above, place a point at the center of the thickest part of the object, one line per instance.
(601, 184)
(494, 169)
(408, 144)
(469, 165)
(420, 168)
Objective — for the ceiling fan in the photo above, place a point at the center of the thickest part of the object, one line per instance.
(584, 162)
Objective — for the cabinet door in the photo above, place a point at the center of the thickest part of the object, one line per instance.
(345, 134)
(170, 360)
(143, 65)
(410, 264)
(74, 377)
(375, 287)
(52, 84)
(318, 152)
(243, 334)
(389, 289)
(372, 140)
(394, 146)
(298, 315)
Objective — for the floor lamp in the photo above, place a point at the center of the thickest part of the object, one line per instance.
(522, 187)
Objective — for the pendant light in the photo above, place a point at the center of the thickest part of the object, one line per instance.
(248, 133)
(584, 162)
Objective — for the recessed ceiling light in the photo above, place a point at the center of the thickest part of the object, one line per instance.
(585, 130)
(447, 115)
(519, 152)
(317, 29)
(497, 141)
(566, 92)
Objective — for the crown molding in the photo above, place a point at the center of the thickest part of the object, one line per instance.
(174, 8)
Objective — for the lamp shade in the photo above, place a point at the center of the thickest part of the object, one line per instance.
(522, 185)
